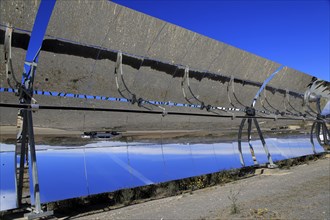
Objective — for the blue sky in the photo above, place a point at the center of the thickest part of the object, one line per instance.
(293, 33)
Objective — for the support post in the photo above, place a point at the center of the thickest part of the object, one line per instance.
(22, 146)
(312, 138)
(33, 163)
(249, 141)
(240, 142)
(269, 157)
(250, 111)
(25, 89)
(325, 133)
(37, 212)
(318, 131)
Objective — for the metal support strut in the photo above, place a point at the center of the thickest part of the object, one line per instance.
(25, 141)
(251, 112)
(231, 84)
(10, 75)
(321, 129)
(132, 98)
(318, 89)
(119, 78)
(25, 135)
(186, 83)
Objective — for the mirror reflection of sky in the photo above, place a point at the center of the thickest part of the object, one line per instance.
(105, 166)
(7, 180)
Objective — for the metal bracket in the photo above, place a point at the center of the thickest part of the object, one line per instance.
(250, 143)
(320, 129)
(276, 111)
(25, 136)
(263, 86)
(119, 78)
(25, 141)
(314, 94)
(262, 102)
(270, 160)
(251, 112)
(8, 58)
(186, 83)
(231, 84)
(287, 99)
(308, 98)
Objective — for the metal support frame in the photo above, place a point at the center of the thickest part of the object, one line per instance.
(186, 83)
(10, 75)
(122, 87)
(251, 112)
(120, 82)
(318, 89)
(286, 100)
(274, 110)
(20, 147)
(320, 128)
(310, 97)
(249, 141)
(37, 212)
(21, 150)
(25, 141)
(231, 84)
(25, 135)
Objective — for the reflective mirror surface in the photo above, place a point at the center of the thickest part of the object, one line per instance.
(105, 166)
(7, 177)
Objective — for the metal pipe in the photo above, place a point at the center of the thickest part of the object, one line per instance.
(71, 108)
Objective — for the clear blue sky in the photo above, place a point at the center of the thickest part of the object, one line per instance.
(293, 33)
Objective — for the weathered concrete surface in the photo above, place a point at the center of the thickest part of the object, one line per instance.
(20, 14)
(108, 25)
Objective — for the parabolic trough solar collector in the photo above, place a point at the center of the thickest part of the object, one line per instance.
(79, 56)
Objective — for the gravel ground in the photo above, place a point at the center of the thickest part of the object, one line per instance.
(302, 192)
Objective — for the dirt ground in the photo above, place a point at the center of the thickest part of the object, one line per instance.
(301, 192)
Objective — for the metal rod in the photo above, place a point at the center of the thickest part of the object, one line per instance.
(325, 133)
(263, 86)
(270, 160)
(318, 131)
(22, 160)
(33, 163)
(70, 108)
(249, 141)
(240, 142)
(312, 138)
